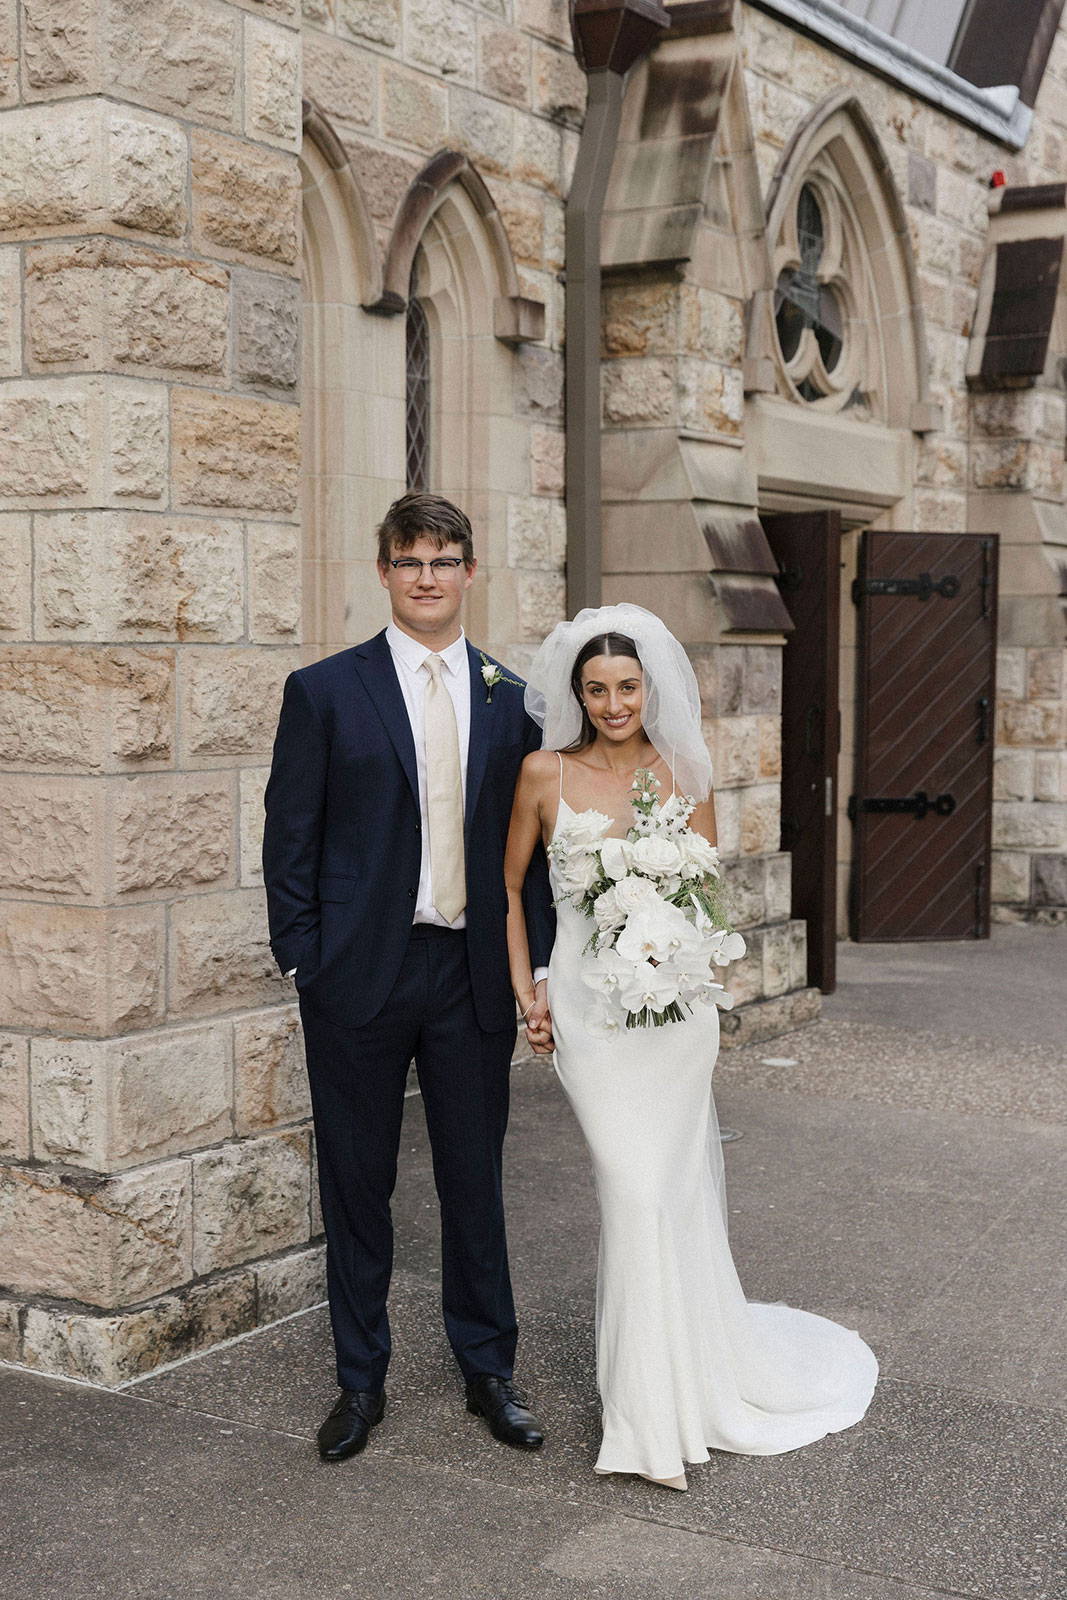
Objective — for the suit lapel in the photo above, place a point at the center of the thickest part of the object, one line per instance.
(480, 734)
(374, 663)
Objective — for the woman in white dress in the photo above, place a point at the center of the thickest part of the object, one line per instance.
(684, 1363)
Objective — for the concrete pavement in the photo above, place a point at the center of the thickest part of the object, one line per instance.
(901, 1170)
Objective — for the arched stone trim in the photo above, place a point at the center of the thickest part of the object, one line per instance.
(335, 201)
(516, 317)
(352, 426)
(837, 146)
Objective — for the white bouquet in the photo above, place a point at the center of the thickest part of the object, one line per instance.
(656, 901)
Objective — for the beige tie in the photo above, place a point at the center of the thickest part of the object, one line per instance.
(444, 797)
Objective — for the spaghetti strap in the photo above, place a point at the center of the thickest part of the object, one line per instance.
(560, 757)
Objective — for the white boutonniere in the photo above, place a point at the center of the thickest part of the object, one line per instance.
(492, 675)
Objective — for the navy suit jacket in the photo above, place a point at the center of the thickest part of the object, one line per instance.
(342, 846)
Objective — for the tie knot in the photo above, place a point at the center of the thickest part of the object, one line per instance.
(433, 665)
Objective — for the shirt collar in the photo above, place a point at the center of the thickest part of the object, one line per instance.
(412, 654)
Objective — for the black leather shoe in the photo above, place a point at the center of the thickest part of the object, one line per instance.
(347, 1428)
(504, 1409)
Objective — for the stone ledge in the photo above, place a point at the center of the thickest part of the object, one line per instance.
(765, 1019)
(68, 1340)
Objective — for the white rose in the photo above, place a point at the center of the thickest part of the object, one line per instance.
(586, 830)
(579, 873)
(607, 913)
(658, 857)
(631, 893)
(699, 853)
(615, 857)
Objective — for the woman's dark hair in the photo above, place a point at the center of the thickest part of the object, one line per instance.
(605, 644)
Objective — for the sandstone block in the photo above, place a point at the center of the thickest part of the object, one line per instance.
(778, 886)
(112, 1350)
(762, 682)
(10, 313)
(114, 575)
(10, 1332)
(172, 831)
(537, 533)
(761, 824)
(558, 84)
(231, 700)
(1021, 826)
(942, 462)
(107, 1241)
(539, 383)
(940, 511)
(744, 883)
(251, 1199)
(272, 83)
(710, 397)
(253, 781)
(9, 53)
(735, 751)
(637, 391)
(1050, 879)
(267, 329)
(179, 57)
(547, 17)
(484, 130)
(547, 452)
(727, 819)
(47, 436)
(79, 969)
(234, 451)
(1033, 722)
(442, 35)
(1013, 775)
(776, 959)
(274, 583)
(270, 1077)
(291, 1284)
(53, 833)
(744, 978)
(1011, 674)
(505, 64)
(85, 709)
(376, 20)
(117, 1103)
(1010, 877)
(49, 168)
(1045, 674)
(386, 175)
(147, 170)
(711, 325)
(542, 603)
(58, 44)
(1050, 775)
(102, 303)
(137, 427)
(640, 319)
(414, 109)
(246, 201)
(538, 154)
(220, 956)
(340, 79)
(16, 565)
(770, 747)
(14, 1097)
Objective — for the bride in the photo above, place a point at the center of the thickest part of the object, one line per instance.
(684, 1363)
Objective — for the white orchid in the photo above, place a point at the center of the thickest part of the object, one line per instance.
(606, 971)
(646, 986)
(654, 932)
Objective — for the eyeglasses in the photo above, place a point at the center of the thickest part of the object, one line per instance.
(440, 566)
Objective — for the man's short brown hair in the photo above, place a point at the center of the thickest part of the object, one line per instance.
(424, 516)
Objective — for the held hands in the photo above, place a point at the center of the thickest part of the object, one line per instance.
(538, 1020)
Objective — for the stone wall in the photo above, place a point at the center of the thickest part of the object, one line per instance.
(157, 1187)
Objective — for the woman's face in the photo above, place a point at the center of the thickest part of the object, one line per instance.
(612, 692)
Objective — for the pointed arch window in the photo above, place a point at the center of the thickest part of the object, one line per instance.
(811, 295)
(417, 391)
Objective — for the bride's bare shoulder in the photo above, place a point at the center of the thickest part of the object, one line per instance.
(539, 767)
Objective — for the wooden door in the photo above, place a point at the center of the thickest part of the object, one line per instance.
(807, 548)
(924, 770)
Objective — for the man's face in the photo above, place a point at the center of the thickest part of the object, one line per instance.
(425, 600)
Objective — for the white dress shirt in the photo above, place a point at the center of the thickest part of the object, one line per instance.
(408, 657)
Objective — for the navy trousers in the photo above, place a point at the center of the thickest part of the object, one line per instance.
(357, 1079)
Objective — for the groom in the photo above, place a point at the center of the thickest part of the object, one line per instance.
(388, 804)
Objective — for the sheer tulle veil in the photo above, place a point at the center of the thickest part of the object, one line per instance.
(671, 709)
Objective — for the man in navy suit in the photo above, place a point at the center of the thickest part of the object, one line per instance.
(388, 804)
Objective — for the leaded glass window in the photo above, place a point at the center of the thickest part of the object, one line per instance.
(811, 296)
(417, 406)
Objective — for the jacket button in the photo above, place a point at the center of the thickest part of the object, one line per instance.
(411, 894)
